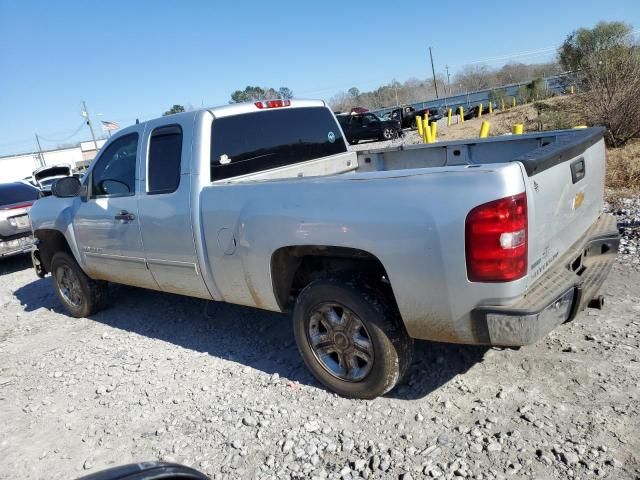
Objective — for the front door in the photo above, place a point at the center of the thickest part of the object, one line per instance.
(370, 126)
(106, 223)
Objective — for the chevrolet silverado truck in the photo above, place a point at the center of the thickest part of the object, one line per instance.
(487, 241)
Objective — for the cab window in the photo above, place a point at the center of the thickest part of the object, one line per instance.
(248, 143)
(369, 119)
(115, 171)
(165, 151)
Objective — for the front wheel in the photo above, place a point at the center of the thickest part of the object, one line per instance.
(80, 295)
(351, 338)
(389, 133)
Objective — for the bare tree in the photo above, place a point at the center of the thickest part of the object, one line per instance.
(474, 77)
(608, 58)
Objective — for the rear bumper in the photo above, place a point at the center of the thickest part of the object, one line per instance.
(16, 246)
(560, 294)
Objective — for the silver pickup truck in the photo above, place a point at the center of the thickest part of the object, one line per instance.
(486, 241)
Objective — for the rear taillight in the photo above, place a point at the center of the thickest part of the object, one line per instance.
(15, 206)
(496, 240)
(273, 103)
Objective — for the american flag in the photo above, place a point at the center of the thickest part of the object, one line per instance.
(108, 126)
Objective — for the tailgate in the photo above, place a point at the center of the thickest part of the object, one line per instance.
(565, 185)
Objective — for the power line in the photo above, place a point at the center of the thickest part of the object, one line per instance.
(69, 137)
(527, 53)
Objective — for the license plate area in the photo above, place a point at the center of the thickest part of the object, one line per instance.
(20, 221)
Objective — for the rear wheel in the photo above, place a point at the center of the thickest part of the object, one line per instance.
(351, 338)
(80, 295)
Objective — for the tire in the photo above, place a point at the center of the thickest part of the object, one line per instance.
(389, 133)
(331, 317)
(80, 295)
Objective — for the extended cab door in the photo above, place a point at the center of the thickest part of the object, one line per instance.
(106, 223)
(165, 206)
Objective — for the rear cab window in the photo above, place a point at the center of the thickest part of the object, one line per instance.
(253, 142)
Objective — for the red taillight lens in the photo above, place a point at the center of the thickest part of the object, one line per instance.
(496, 240)
(273, 103)
(18, 205)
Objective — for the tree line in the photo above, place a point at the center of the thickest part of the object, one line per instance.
(468, 79)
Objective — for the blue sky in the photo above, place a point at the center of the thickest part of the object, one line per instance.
(134, 59)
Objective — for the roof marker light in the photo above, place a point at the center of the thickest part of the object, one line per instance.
(273, 103)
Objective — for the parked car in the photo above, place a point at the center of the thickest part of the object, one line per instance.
(485, 241)
(407, 114)
(16, 199)
(368, 126)
(44, 177)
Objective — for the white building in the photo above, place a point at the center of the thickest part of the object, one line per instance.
(17, 167)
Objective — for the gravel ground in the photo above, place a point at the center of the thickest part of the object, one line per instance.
(627, 210)
(222, 389)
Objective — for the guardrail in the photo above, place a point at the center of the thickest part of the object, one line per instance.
(555, 84)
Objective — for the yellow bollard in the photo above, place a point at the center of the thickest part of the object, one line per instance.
(571, 89)
(448, 117)
(484, 129)
(490, 107)
(426, 118)
(513, 102)
(479, 110)
(434, 131)
(461, 113)
(502, 104)
(419, 124)
(427, 133)
(518, 129)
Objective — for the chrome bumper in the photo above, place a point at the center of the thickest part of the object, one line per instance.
(16, 246)
(560, 294)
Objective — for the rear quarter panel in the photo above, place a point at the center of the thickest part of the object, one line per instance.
(412, 221)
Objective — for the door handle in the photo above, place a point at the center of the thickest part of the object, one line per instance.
(124, 215)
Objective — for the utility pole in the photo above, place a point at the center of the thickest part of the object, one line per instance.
(433, 70)
(85, 113)
(395, 86)
(40, 151)
(448, 78)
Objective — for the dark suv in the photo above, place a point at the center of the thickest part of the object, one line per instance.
(367, 126)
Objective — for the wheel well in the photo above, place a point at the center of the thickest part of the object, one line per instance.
(294, 267)
(49, 243)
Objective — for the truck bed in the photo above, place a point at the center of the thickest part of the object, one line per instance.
(536, 151)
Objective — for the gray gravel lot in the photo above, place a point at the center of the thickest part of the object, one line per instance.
(222, 389)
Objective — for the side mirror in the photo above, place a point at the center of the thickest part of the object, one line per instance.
(66, 187)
